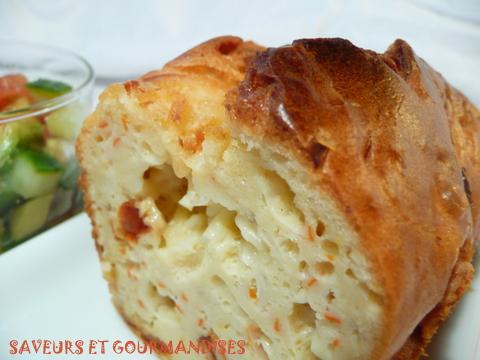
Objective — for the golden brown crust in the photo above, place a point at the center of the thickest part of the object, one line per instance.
(391, 142)
(416, 345)
(464, 125)
(225, 58)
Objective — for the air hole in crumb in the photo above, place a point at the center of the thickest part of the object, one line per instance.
(325, 268)
(302, 265)
(227, 47)
(351, 274)
(330, 247)
(163, 242)
(146, 173)
(284, 199)
(320, 229)
(302, 317)
(318, 153)
(372, 295)
(158, 299)
(169, 302)
(330, 296)
(98, 138)
(217, 280)
(189, 261)
(291, 247)
(161, 184)
(146, 146)
(199, 210)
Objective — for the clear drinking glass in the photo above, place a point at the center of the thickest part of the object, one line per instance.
(45, 94)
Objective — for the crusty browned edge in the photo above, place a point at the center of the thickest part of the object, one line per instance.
(416, 345)
(464, 121)
(402, 59)
(459, 110)
(87, 201)
(387, 138)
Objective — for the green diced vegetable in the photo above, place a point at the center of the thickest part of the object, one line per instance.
(29, 217)
(60, 149)
(38, 170)
(7, 144)
(24, 131)
(43, 89)
(8, 200)
(34, 173)
(64, 123)
(40, 160)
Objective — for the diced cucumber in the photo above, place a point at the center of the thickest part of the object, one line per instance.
(29, 217)
(43, 89)
(65, 122)
(40, 160)
(24, 131)
(34, 173)
(7, 144)
(27, 129)
(60, 149)
(8, 200)
(70, 176)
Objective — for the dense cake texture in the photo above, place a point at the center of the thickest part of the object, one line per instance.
(318, 200)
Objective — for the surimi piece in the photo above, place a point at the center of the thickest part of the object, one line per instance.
(317, 200)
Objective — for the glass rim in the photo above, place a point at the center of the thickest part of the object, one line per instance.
(45, 106)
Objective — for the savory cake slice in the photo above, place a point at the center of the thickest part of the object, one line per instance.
(318, 201)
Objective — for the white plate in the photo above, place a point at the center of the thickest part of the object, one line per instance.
(51, 288)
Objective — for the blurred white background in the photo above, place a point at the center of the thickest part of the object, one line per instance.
(123, 39)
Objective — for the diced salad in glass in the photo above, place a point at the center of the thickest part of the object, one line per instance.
(38, 170)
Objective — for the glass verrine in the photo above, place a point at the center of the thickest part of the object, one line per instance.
(45, 94)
